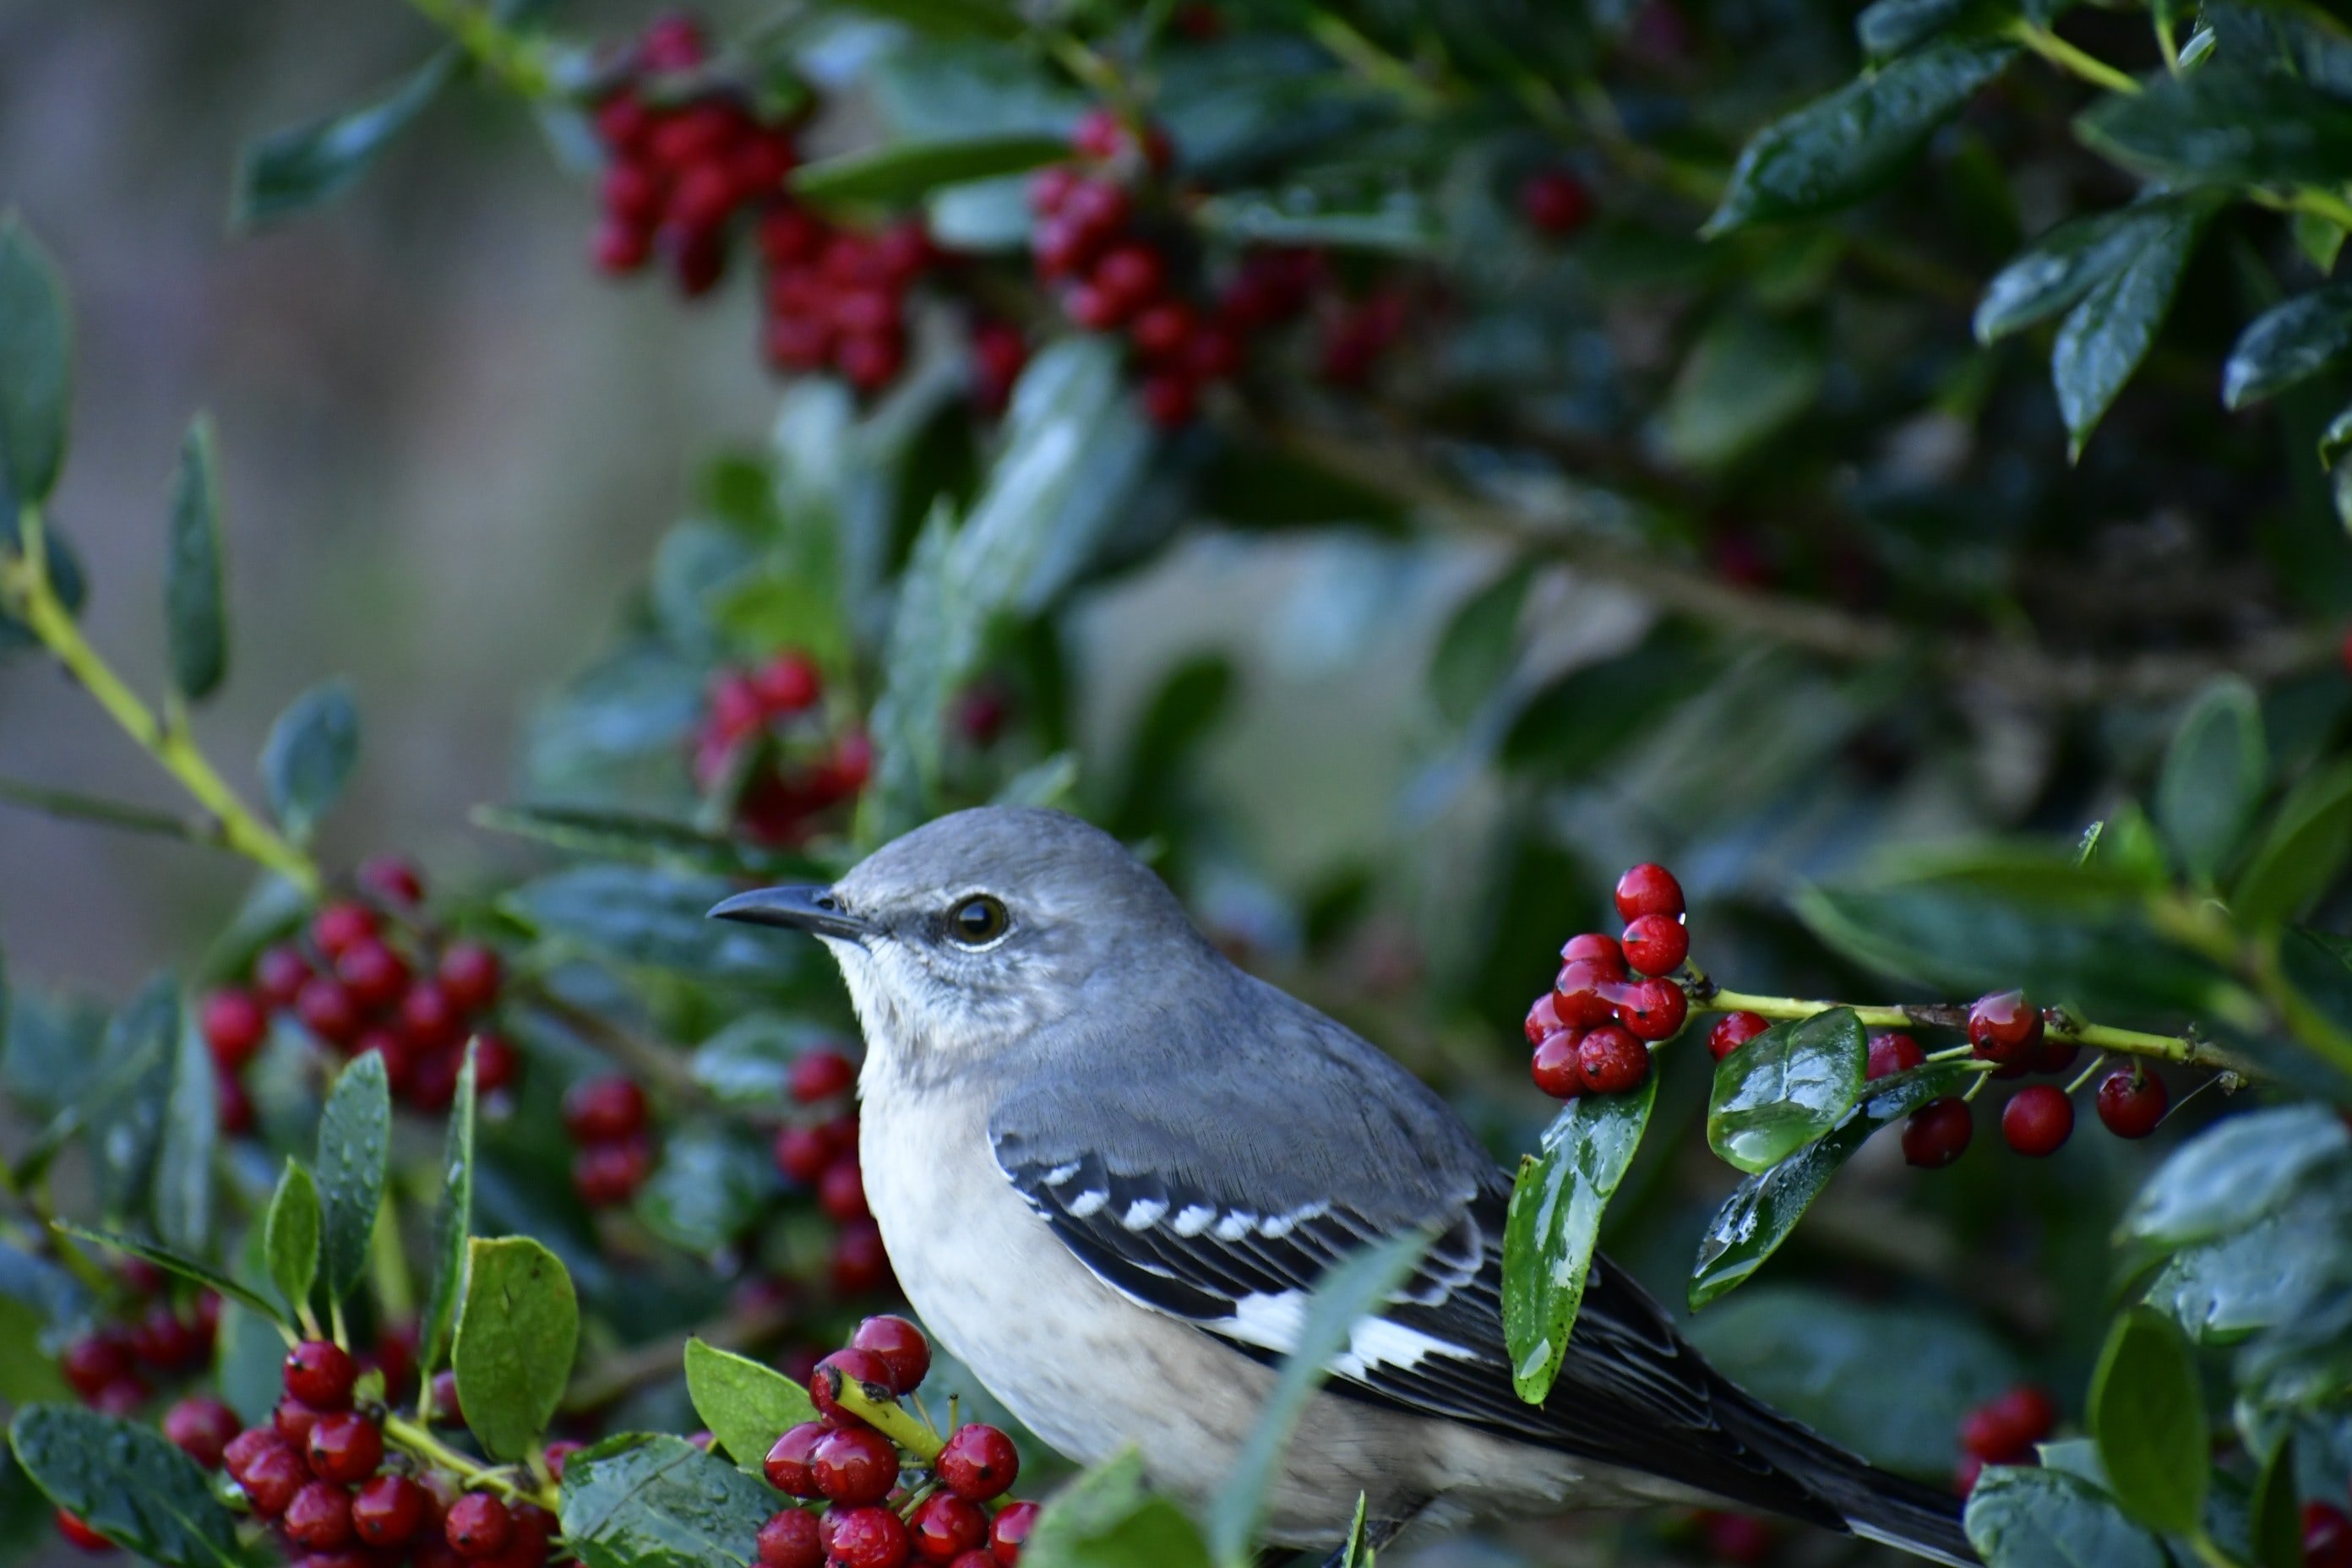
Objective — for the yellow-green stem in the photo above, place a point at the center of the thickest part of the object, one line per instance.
(872, 1404)
(2068, 58)
(420, 1441)
(516, 61)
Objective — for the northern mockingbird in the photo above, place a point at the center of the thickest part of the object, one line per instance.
(1110, 1169)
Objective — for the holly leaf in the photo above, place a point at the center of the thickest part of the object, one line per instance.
(2288, 343)
(1786, 1088)
(127, 1483)
(290, 1236)
(659, 1501)
(293, 170)
(745, 1405)
(354, 1146)
(35, 369)
(902, 171)
(1106, 1515)
(195, 607)
(2020, 1518)
(517, 1333)
(124, 1114)
(1554, 1224)
(181, 1264)
(2147, 1417)
(2302, 850)
(2235, 1173)
(1479, 643)
(2213, 778)
(2102, 340)
(308, 757)
(2225, 126)
(2056, 270)
(453, 1223)
(183, 1199)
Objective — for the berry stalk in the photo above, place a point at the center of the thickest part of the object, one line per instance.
(874, 1404)
(420, 1441)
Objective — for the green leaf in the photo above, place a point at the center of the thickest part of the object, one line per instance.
(2147, 1417)
(2047, 1519)
(1353, 1552)
(1554, 1224)
(2336, 439)
(746, 1406)
(1748, 376)
(2225, 125)
(2235, 1172)
(182, 1198)
(181, 1264)
(2288, 343)
(659, 1501)
(290, 171)
(290, 1236)
(27, 1375)
(124, 1114)
(2267, 1275)
(354, 1144)
(308, 757)
(1888, 27)
(1105, 1518)
(453, 1223)
(2300, 852)
(195, 607)
(1349, 1292)
(638, 916)
(517, 1333)
(35, 369)
(747, 1062)
(945, 18)
(646, 840)
(1479, 644)
(937, 645)
(1191, 703)
(2213, 778)
(2102, 340)
(2276, 1524)
(1380, 218)
(2320, 239)
(1785, 1088)
(902, 171)
(1845, 146)
(712, 1185)
(2054, 272)
(1764, 1209)
(126, 1481)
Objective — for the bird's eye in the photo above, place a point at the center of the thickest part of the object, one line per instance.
(977, 920)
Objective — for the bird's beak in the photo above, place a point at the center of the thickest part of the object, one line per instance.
(810, 909)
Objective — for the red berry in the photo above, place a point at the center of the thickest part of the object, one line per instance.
(2132, 1100)
(1656, 944)
(1648, 889)
(607, 1174)
(854, 1366)
(496, 1064)
(672, 42)
(1894, 1053)
(1938, 1133)
(1097, 208)
(279, 974)
(345, 1447)
(855, 1466)
(1555, 1066)
(91, 1362)
(394, 878)
(789, 1539)
(860, 1262)
(478, 1525)
(1577, 996)
(1170, 399)
(1732, 1031)
(1653, 1009)
(619, 248)
(1610, 1060)
(238, 1453)
(342, 926)
(1050, 187)
(2327, 1536)
(388, 1509)
(2037, 1120)
(1543, 1018)
(1010, 1532)
(293, 1421)
(328, 1010)
(320, 1517)
(234, 1023)
(430, 1017)
(946, 1527)
(788, 1462)
(1216, 354)
(1162, 331)
(320, 1374)
(788, 683)
(80, 1535)
(1598, 948)
(272, 1476)
(2004, 1027)
(2028, 1411)
(1555, 202)
(1098, 134)
(804, 1154)
(123, 1396)
(2054, 1055)
(372, 973)
(203, 1429)
(841, 1191)
(901, 1347)
(558, 1452)
(870, 361)
(868, 1538)
(1132, 275)
(821, 1075)
(236, 1107)
(601, 1110)
(978, 1462)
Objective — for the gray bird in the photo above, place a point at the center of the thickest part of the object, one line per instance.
(1110, 1169)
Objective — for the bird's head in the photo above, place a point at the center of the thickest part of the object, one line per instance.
(970, 933)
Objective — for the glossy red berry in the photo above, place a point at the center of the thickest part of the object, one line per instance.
(901, 1348)
(478, 1526)
(293, 1421)
(534, 1528)
(1010, 1532)
(599, 1110)
(1578, 995)
(388, 1509)
(788, 683)
(89, 1363)
(854, 1466)
(2132, 1100)
(1653, 1009)
(855, 1366)
(1610, 1060)
(1894, 1053)
(279, 974)
(234, 1023)
(469, 972)
(320, 1374)
(804, 1154)
(2327, 1536)
(790, 1540)
(1655, 944)
(328, 1010)
(1732, 1031)
(2037, 1120)
(202, 1428)
(821, 1075)
(558, 1452)
(342, 926)
(860, 1262)
(1938, 1133)
(788, 1465)
(497, 1064)
(79, 1535)
(320, 1517)
(607, 1174)
(394, 879)
(1556, 1066)
(841, 1191)
(946, 1526)
(1555, 202)
(1098, 134)
(372, 973)
(430, 1019)
(345, 1447)
(868, 1538)
(1169, 398)
(239, 1453)
(2004, 1027)
(1648, 889)
(978, 1462)
(1598, 948)
(271, 1478)
(1543, 1018)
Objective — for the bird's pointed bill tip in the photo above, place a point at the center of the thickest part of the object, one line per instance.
(809, 908)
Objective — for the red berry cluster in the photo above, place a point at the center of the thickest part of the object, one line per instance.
(821, 1155)
(874, 1515)
(1612, 997)
(2326, 1535)
(114, 1368)
(2003, 1431)
(605, 1120)
(764, 735)
(1555, 202)
(319, 1471)
(360, 985)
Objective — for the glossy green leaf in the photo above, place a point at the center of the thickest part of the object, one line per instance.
(2146, 1415)
(745, 1405)
(2288, 343)
(308, 757)
(124, 1110)
(712, 1185)
(181, 1264)
(28, 1375)
(453, 1223)
(638, 915)
(1847, 145)
(2225, 125)
(1887, 27)
(290, 171)
(2213, 778)
(2047, 1519)
(2276, 1521)
(195, 602)
(1785, 1088)
(2058, 268)
(1746, 377)
(640, 839)
(901, 172)
(1355, 1551)
(36, 368)
(127, 1483)
(517, 1333)
(2336, 439)
(1479, 644)
(2302, 850)
(1378, 217)
(945, 18)
(2235, 1172)
(1764, 1209)
(2268, 1274)
(354, 1145)
(1575, 724)
(2104, 338)
(1189, 703)
(1108, 1518)
(1554, 1224)
(659, 1501)
(183, 1199)
(1349, 1291)
(290, 1236)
